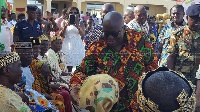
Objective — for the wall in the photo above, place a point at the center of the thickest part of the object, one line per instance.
(83, 7)
(19, 4)
(153, 10)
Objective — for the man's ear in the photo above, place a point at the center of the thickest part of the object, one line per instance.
(5, 71)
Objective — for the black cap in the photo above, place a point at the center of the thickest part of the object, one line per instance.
(32, 7)
(23, 45)
(193, 11)
(166, 89)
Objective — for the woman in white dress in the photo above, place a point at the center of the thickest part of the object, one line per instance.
(73, 34)
(5, 33)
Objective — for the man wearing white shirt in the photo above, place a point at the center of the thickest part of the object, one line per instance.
(5, 33)
(25, 51)
(140, 22)
(128, 16)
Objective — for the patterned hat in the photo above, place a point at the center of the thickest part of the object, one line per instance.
(43, 37)
(23, 45)
(56, 38)
(99, 93)
(166, 91)
(8, 58)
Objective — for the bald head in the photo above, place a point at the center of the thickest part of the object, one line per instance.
(128, 16)
(106, 8)
(113, 19)
(128, 12)
(140, 14)
(139, 8)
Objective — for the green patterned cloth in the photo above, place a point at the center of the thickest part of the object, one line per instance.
(186, 45)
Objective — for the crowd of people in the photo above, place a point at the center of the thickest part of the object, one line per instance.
(124, 64)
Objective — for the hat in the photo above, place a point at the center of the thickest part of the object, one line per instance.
(23, 45)
(193, 10)
(32, 7)
(43, 37)
(166, 91)
(56, 38)
(99, 93)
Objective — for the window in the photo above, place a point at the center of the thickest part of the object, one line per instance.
(94, 9)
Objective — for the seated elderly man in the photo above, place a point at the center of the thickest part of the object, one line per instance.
(164, 90)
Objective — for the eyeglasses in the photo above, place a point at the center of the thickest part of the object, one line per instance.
(73, 12)
(114, 34)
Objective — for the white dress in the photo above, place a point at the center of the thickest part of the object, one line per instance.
(73, 46)
(6, 37)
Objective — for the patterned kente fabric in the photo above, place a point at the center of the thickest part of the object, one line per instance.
(186, 44)
(125, 66)
(162, 42)
(40, 84)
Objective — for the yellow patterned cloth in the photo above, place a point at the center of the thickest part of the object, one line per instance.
(99, 93)
(11, 102)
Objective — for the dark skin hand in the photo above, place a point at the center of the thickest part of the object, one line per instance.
(74, 95)
(171, 61)
(54, 87)
(24, 97)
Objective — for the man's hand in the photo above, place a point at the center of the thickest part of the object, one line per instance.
(74, 95)
(54, 87)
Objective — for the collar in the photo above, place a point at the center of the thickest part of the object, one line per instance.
(134, 21)
(187, 31)
(173, 25)
(33, 21)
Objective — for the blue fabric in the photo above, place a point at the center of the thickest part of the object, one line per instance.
(38, 102)
(163, 38)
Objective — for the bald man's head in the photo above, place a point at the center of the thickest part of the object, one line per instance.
(128, 16)
(113, 28)
(106, 8)
(140, 14)
(114, 19)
